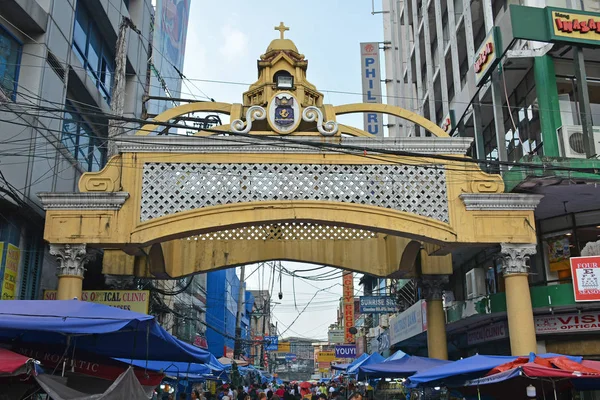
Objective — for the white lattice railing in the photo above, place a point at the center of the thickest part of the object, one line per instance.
(168, 188)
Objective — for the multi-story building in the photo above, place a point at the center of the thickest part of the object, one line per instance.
(521, 79)
(221, 311)
(57, 62)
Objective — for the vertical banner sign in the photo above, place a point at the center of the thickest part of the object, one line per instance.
(348, 284)
(371, 85)
(11, 271)
(586, 278)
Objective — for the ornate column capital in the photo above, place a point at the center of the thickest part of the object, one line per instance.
(71, 258)
(515, 256)
(433, 286)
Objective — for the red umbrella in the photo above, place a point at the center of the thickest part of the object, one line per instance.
(305, 385)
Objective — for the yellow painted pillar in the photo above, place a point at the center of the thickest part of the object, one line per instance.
(69, 287)
(71, 267)
(521, 327)
(432, 287)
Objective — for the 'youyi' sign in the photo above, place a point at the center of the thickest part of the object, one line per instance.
(345, 351)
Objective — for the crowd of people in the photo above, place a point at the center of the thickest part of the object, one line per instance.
(292, 391)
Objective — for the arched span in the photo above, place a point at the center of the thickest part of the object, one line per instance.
(382, 255)
(216, 218)
(391, 110)
(208, 106)
(343, 130)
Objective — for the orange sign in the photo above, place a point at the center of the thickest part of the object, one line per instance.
(348, 284)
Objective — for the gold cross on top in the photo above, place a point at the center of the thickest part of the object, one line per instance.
(281, 28)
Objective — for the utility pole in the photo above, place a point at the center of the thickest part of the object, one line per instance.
(266, 308)
(237, 349)
(117, 103)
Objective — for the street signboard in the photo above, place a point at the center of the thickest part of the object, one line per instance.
(377, 305)
(271, 343)
(336, 336)
(290, 357)
(488, 333)
(326, 356)
(345, 351)
(284, 347)
(586, 278)
(409, 323)
(371, 86)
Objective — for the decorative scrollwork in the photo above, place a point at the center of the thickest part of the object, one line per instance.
(312, 113)
(253, 113)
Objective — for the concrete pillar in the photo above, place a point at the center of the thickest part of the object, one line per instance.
(72, 259)
(432, 288)
(521, 327)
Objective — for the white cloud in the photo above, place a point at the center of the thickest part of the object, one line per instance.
(234, 43)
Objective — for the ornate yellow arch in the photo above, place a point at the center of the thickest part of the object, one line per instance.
(391, 110)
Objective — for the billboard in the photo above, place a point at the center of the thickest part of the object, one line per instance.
(11, 271)
(132, 300)
(586, 278)
(170, 32)
(325, 356)
(348, 287)
(371, 85)
(284, 347)
(377, 305)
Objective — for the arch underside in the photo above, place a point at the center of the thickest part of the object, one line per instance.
(346, 248)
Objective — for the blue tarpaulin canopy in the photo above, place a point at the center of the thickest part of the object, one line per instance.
(344, 367)
(92, 328)
(396, 356)
(467, 368)
(371, 359)
(171, 368)
(401, 368)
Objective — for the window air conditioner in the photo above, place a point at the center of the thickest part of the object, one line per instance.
(475, 280)
(570, 138)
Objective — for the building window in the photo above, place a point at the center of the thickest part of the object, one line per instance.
(10, 60)
(93, 51)
(81, 141)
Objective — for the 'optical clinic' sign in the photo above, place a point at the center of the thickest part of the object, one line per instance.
(487, 56)
(377, 304)
(371, 85)
(586, 278)
(574, 27)
(567, 323)
(345, 351)
(495, 331)
(131, 300)
(409, 323)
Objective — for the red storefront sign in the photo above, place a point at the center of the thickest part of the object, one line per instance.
(586, 278)
(100, 368)
(348, 285)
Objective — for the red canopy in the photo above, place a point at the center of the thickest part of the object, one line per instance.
(12, 363)
(553, 367)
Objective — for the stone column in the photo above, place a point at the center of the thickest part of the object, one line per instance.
(432, 289)
(72, 259)
(521, 327)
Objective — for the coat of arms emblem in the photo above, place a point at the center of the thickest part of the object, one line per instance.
(284, 111)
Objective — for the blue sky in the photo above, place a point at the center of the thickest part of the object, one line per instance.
(225, 39)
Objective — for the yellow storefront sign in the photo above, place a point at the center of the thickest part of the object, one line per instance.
(284, 347)
(11, 271)
(326, 356)
(131, 300)
(323, 370)
(576, 27)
